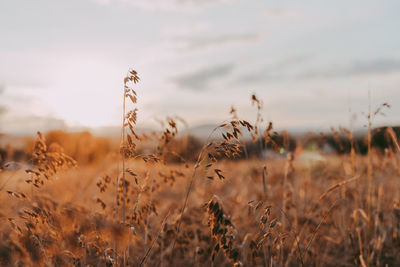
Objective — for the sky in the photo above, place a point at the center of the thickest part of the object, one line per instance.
(62, 63)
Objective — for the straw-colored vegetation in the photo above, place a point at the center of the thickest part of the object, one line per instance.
(210, 205)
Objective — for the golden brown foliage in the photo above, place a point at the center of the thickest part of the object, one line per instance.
(155, 211)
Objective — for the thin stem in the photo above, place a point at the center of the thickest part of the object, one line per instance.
(146, 228)
(196, 166)
(123, 158)
(184, 206)
(296, 235)
(154, 241)
(318, 226)
(369, 137)
(264, 176)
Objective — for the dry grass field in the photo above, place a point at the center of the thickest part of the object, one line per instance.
(91, 204)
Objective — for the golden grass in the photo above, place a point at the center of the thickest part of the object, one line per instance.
(134, 209)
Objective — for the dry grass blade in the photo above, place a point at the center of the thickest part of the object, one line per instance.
(264, 177)
(318, 226)
(143, 261)
(184, 207)
(338, 185)
(362, 262)
(297, 237)
(392, 134)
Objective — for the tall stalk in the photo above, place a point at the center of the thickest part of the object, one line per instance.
(123, 157)
(127, 144)
(369, 159)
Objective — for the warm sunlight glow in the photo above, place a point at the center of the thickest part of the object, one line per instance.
(199, 133)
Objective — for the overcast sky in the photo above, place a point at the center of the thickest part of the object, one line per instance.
(62, 62)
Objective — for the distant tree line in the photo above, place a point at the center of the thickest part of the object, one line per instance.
(88, 149)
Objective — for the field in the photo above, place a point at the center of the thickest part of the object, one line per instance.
(154, 201)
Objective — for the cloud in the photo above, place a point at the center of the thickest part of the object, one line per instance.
(357, 68)
(164, 4)
(282, 71)
(258, 76)
(275, 72)
(30, 124)
(282, 13)
(201, 79)
(181, 30)
(205, 42)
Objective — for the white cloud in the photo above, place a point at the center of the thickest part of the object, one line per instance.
(190, 28)
(165, 4)
(211, 41)
(201, 79)
(282, 13)
(30, 124)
